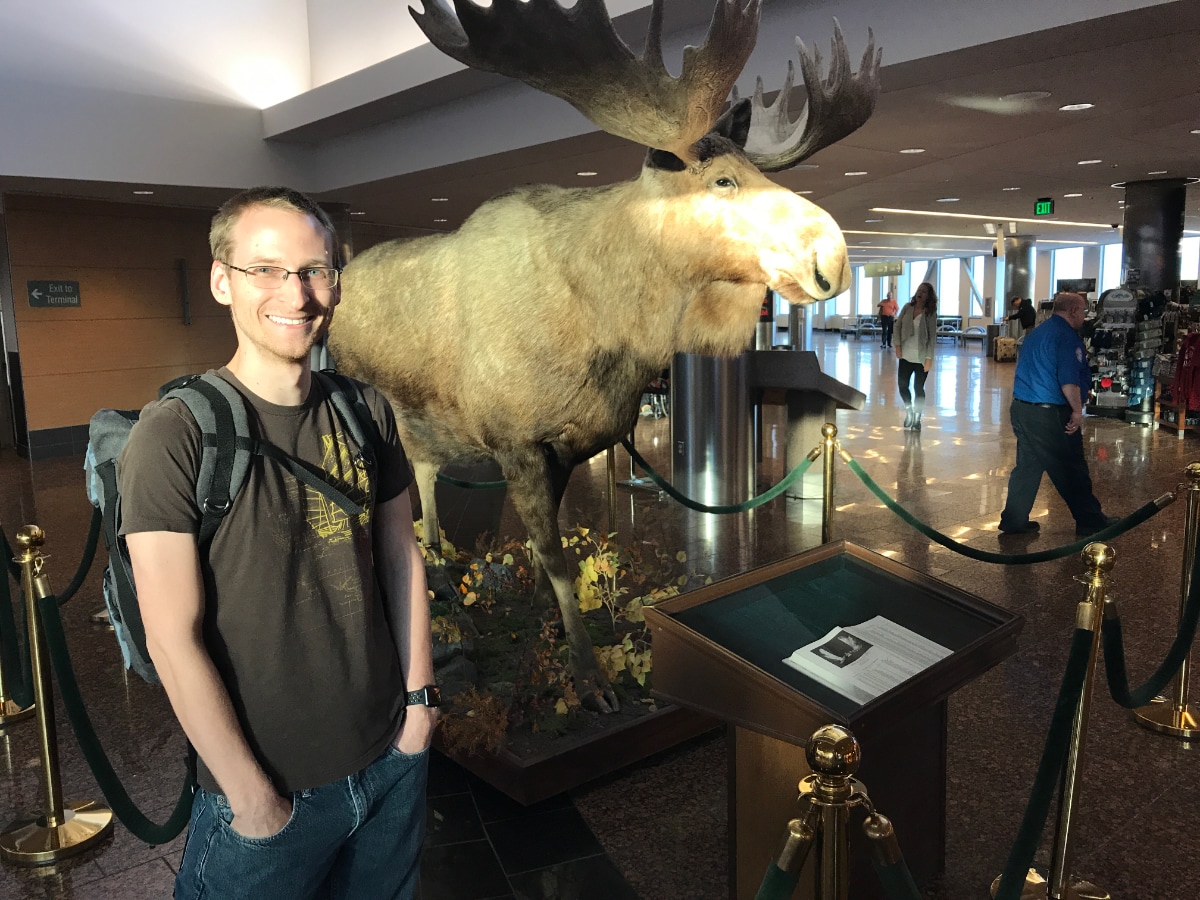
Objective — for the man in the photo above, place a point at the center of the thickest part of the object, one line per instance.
(1049, 388)
(288, 647)
(1024, 313)
(887, 317)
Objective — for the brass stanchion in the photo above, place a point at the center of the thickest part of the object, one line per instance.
(11, 711)
(828, 445)
(1062, 885)
(1172, 715)
(62, 831)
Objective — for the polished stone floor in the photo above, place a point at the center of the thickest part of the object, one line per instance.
(657, 830)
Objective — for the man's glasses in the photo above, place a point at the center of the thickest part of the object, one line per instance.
(317, 277)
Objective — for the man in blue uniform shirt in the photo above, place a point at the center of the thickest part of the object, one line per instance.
(1051, 384)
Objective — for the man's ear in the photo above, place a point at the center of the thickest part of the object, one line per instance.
(218, 283)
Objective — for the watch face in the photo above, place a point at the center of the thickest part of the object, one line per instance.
(433, 695)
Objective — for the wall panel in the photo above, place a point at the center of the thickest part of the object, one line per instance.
(127, 336)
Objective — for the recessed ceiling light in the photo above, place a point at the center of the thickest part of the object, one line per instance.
(947, 200)
(441, 220)
(1025, 96)
(1010, 189)
(1196, 131)
(1158, 172)
(806, 166)
(585, 174)
(913, 150)
(1075, 107)
(864, 243)
(856, 173)
(143, 193)
(803, 192)
(440, 199)
(358, 213)
(1089, 162)
(1072, 195)
(872, 220)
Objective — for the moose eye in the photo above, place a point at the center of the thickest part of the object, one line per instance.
(725, 182)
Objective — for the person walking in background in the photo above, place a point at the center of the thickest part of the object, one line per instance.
(887, 318)
(1049, 389)
(916, 335)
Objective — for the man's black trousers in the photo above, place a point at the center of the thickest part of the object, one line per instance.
(1043, 446)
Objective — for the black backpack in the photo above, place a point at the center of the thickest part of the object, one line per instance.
(220, 411)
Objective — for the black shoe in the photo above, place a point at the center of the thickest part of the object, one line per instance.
(1089, 530)
(1030, 527)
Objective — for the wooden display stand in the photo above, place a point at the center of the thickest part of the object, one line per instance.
(1178, 408)
(720, 651)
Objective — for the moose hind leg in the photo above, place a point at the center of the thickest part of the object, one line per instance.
(533, 494)
(425, 476)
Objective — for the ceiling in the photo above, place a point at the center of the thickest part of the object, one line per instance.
(1140, 69)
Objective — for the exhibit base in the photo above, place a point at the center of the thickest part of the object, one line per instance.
(573, 761)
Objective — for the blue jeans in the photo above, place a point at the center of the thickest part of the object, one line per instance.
(356, 837)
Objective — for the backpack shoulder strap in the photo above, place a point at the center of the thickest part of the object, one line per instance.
(352, 409)
(220, 412)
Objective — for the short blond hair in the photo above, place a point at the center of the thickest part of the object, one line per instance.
(220, 234)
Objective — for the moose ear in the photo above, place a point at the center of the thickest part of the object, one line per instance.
(662, 159)
(735, 122)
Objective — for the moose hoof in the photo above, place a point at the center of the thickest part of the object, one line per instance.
(597, 695)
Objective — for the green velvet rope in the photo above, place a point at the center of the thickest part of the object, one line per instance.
(1135, 518)
(776, 884)
(106, 777)
(1114, 651)
(473, 485)
(14, 651)
(896, 879)
(85, 564)
(1054, 756)
(766, 497)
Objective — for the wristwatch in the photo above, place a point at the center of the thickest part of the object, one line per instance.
(430, 695)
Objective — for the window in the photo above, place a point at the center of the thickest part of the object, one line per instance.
(864, 292)
(841, 303)
(1110, 266)
(978, 265)
(1189, 258)
(914, 274)
(949, 302)
(1065, 263)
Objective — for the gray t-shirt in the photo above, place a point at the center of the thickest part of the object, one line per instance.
(294, 618)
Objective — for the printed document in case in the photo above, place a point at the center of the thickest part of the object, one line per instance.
(863, 661)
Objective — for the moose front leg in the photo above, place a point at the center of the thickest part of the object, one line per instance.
(531, 486)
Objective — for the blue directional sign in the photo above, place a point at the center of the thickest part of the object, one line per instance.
(53, 293)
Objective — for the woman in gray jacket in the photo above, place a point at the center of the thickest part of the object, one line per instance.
(916, 335)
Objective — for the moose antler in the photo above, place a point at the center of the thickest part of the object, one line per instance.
(836, 106)
(575, 54)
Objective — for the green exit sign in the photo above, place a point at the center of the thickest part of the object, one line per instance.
(1044, 207)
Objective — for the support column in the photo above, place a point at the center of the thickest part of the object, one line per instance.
(712, 428)
(1153, 228)
(1018, 270)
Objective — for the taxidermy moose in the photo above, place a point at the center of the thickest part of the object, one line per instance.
(528, 335)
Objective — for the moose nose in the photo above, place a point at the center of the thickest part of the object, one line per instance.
(822, 283)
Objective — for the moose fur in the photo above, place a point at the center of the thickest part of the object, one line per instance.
(528, 335)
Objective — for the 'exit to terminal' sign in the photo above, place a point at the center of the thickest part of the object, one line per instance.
(1044, 207)
(53, 293)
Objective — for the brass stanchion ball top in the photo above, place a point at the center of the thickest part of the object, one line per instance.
(1099, 556)
(832, 750)
(829, 430)
(1192, 472)
(878, 827)
(30, 536)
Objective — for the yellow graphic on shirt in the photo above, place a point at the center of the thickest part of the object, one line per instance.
(326, 517)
